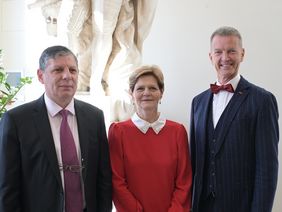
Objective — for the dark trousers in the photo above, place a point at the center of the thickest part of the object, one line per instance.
(208, 204)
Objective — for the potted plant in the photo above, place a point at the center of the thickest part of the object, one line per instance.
(8, 92)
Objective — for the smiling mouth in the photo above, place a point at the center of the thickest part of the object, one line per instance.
(225, 66)
(66, 86)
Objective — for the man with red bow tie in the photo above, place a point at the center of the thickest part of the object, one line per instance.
(234, 136)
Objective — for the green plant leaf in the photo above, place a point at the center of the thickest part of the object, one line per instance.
(8, 92)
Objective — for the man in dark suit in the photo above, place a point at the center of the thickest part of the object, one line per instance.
(32, 171)
(234, 136)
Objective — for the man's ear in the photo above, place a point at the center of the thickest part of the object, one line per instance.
(210, 56)
(243, 54)
(40, 74)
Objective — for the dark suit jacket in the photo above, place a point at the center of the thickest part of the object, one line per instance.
(30, 180)
(246, 156)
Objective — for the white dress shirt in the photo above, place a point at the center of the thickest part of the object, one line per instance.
(55, 121)
(222, 98)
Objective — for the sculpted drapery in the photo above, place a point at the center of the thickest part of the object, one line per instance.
(107, 36)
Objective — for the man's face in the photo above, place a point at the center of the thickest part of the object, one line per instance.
(60, 79)
(226, 55)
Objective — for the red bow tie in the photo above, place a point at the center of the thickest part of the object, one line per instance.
(216, 88)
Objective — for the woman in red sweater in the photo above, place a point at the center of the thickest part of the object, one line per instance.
(149, 154)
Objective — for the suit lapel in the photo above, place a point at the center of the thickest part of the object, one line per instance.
(83, 135)
(232, 108)
(41, 120)
(201, 119)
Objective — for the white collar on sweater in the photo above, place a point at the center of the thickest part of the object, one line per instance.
(143, 125)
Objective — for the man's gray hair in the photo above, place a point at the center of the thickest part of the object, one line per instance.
(52, 52)
(227, 31)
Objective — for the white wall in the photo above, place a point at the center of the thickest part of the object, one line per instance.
(12, 34)
(179, 44)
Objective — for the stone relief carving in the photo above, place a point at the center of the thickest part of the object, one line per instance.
(107, 36)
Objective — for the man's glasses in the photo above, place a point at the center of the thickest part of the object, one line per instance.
(71, 168)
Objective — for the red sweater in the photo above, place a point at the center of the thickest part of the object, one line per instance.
(151, 172)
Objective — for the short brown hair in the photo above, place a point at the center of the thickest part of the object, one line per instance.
(152, 70)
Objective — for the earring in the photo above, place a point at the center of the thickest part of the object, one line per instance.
(160, 102)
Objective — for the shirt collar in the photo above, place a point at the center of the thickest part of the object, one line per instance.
(143, 125)
(53, 108)
(234, 82)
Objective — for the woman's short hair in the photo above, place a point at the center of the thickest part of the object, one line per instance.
(145, 70)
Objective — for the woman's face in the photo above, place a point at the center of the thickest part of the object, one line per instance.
(146, 94)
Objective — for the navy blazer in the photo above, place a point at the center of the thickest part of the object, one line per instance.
(30, 179)
(246, 153)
